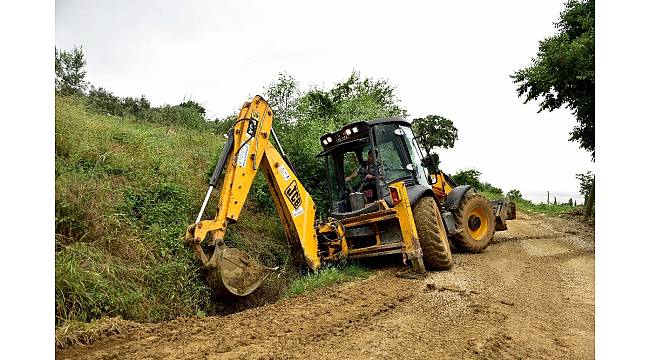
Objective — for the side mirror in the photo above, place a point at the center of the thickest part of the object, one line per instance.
(410, 167)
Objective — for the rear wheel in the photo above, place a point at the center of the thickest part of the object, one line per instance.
(433, 238)
(476, 222)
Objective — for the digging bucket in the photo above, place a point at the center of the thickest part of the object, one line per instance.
(230, 271)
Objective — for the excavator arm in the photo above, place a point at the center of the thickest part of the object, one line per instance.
(248, 149)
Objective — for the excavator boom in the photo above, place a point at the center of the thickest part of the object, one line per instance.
(248, 148)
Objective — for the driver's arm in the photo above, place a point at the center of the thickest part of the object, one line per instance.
(352, 176)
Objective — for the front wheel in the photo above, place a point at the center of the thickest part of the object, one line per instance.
(475, 222)
(436, 252)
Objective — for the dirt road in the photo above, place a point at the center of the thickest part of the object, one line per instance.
(529, 295)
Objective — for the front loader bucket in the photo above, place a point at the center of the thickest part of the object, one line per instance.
(232, 272)
(503, 210)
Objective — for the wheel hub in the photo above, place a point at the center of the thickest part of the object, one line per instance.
(474, 222)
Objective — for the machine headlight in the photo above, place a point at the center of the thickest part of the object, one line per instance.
(355, 129)
(348, 131)
(324, 142)
(329, 139)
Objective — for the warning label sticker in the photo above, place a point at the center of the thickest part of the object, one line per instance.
(243, 155)
(298, 211)
(284, 173)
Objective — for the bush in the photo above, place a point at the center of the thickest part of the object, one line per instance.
(514, 194)
(187, 114)
(491, 189)
(189, 117)
(468, 177)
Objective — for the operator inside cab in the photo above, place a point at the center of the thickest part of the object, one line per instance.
(368, 171)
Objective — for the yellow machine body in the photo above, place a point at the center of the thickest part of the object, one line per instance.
(441, 186)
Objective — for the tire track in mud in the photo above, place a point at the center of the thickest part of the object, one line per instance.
(529, 295)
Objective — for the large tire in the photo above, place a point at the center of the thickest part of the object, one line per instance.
(433, 237)
(476, 222)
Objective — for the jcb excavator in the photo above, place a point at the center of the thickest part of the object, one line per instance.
(401, 203)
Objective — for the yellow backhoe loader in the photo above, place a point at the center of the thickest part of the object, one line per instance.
(384, 199)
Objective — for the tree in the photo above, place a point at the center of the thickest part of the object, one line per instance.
(282, 95)
(587, 189)
(435, 131)
(468, 177)
(351, 100)
(68, 67)
(514, 194)
(586, 180)
(563, 74)
(193, 105)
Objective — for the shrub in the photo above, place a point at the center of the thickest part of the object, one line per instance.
(491, 189)
(514, 194)
(468, 177)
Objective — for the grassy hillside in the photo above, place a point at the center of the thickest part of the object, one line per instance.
(125, 191)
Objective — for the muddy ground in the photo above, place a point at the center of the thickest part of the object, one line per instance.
(529, 295)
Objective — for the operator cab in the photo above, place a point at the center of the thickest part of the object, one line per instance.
(370, 155)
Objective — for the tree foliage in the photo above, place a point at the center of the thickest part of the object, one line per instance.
(563, 73)
(514, 194)
(468, 177)
(351, 100)
(282, 95)
(190, 104)
(103, 101)
(491, 188)
(188, 113)
(316, 111)
(69, 70)
(586, 180)
(435, 131)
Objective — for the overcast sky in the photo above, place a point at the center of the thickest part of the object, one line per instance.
(447, 58)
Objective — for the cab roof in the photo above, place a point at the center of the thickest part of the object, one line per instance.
(354, 133)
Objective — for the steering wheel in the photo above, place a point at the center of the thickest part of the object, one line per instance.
(365, 182)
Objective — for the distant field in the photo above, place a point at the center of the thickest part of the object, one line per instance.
(562, 197)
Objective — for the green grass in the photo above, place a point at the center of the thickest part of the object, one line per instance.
(125, 191)
(528, 206)
(327, 276)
